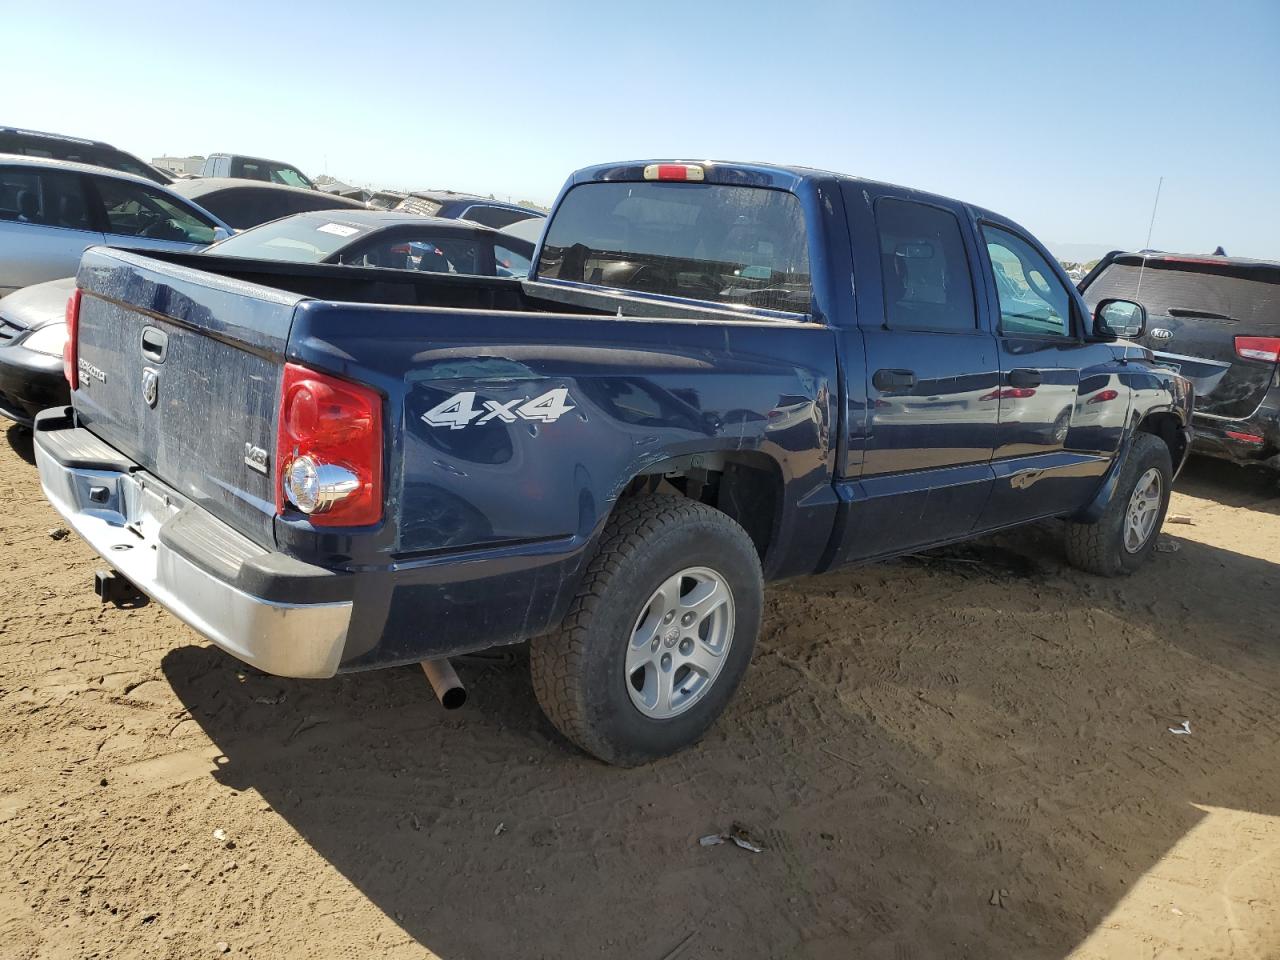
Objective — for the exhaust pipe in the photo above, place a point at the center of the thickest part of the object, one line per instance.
(444, 681)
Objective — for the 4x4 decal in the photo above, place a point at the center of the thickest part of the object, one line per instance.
(460, 410)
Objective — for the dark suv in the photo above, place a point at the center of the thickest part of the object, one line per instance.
(1216, 320)
(55, 146)
(465, 206)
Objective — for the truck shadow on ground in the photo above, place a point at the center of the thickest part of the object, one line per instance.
(21, 442)
(1230, 485)
(940, 759)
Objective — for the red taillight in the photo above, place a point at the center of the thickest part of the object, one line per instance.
(1102, 396)
(1009, 393)
(1258, 348)
(674, 171)
(71, 349)
(1244, 437)
(1214, 261)
(329, 432)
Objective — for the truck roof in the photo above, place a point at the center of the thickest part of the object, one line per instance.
(774, 175)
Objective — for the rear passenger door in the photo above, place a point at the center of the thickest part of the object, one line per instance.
(44, 225)
(1061, 400)
(932, 372)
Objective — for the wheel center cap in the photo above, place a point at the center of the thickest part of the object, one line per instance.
(671, 636)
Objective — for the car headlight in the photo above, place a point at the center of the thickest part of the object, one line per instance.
(48, 339)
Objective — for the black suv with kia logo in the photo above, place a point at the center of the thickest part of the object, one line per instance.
(1215, 320)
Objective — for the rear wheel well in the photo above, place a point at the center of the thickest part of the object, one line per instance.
(746, 486)
(1166, 427)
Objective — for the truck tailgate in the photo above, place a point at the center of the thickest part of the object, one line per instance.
(180, 371)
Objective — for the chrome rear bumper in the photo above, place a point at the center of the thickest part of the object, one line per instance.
(121, 513)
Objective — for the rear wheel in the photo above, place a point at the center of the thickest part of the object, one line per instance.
(1125, 536)
(659, 635)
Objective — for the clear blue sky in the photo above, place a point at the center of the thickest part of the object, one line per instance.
(1061, 115)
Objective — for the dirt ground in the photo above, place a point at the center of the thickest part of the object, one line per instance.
(965, 756)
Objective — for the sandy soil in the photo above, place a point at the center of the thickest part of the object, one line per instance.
(957, 757)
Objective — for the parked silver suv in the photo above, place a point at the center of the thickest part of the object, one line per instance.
(51, 210)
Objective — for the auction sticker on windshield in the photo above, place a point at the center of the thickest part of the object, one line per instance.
(338, 229)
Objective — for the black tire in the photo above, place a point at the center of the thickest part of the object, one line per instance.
(1061, 427)
(579, 672)
(1099, 547)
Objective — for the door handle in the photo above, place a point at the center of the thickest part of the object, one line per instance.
(154, 344)
(889, 381)
(1025, 378)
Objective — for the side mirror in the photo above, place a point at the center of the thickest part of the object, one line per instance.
(220, 233)
(1119, 319)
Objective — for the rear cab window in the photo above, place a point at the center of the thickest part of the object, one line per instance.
(730, 245)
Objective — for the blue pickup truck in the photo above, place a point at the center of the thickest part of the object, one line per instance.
(716, 375)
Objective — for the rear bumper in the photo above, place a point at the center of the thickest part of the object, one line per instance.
(29, 382)
(191, 563)
(1249, 440)
(278, 613)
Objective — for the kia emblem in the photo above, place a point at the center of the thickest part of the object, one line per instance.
(1160, 333)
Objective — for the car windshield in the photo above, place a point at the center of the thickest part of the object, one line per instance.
(742, 246)
(295, 239)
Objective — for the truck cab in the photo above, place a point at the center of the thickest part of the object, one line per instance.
(254, 168)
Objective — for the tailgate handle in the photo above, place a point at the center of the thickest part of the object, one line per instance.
(154, 344)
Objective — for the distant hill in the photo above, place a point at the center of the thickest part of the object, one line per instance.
(1080, 252)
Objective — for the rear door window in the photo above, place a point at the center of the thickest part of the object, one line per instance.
(733, 245)
(249, 170)
(927, 282)
(51, 198)
(133, 210)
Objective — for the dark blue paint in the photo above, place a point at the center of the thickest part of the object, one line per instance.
(487, 529)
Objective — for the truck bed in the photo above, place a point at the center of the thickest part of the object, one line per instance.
(408, 288)
(638, 387)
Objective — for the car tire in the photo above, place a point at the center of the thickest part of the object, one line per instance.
(1125, 536)
(625, 677)
(1061, 427)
